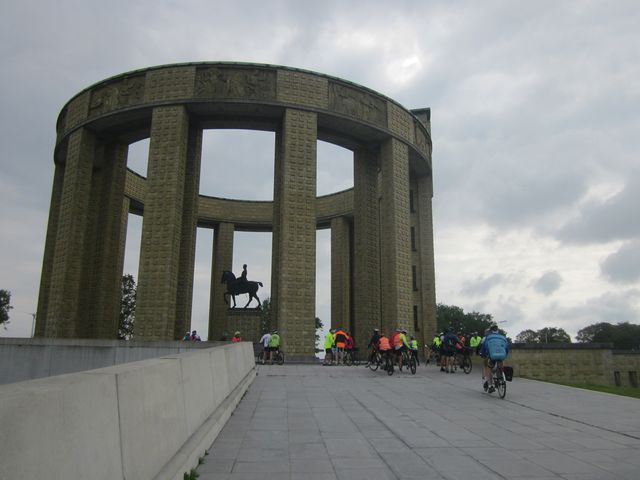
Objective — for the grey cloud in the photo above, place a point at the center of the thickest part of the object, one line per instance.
(548, 283)
(624, 265)
(481, 285)
(612, 219)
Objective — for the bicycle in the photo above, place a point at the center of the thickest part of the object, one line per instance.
(375, 360)
(276, 356)
(499, 378)
(351, 358)
(464, 360)
(409, 360)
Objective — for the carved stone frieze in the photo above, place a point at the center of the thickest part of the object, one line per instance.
(351, 102)
(244, 83)
(129, 91)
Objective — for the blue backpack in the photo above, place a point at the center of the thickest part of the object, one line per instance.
(496, 347)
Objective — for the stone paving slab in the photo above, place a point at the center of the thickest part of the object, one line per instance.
(308, 422)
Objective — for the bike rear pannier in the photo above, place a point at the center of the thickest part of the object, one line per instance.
(508, 373)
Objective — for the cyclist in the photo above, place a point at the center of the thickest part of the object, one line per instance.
(373, 345)
(449, 345)
(474, 342)
(414, 349)
(493, 348)
(384, 346)
(274, 345)
(400, 345)
(264, 340)
(328, 347)
(435, 347)
(341, 343)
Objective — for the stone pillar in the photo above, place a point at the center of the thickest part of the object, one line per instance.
(426, 253)
(366, 233)
(189, 231)
(276, 245)
(67, 282)
(101, 297)
(294, 267)
(162, 225)
(395, 253)
(49, 250)
(341, 274)
(222, 259)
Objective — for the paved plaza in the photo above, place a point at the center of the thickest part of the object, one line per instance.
(308, 422)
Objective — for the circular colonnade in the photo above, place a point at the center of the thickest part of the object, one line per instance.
(382, 271)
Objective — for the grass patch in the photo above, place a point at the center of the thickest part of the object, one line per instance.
(624, 391)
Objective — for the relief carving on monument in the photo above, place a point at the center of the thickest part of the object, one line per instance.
(249, 83)
(357, 104)
(129, 91)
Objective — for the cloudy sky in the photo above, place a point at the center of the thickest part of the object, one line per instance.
(535, 123)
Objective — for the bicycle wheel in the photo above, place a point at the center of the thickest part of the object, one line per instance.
(466, 364)
(501, 387)
(260, 357)
(389, 366)
(374, 362)
(348, 358)
(280, 358)
(412, 365)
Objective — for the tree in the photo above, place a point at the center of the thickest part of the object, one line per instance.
(454, 317)
(319, 326)
(587, 334)
(5, 306)
(623, 336)
(127, 308)
(265, 315)
(527, 336)
(544, 335)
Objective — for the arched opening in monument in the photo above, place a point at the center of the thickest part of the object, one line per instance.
(237, 164)
(202, 283)
(138, 157)
(334, 168)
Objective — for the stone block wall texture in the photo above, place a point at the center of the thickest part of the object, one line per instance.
(69, 262)
(188, 233)
(248, 322)
(366, 242)
(296, 231)
(396, 287)
(563, 364)
(341, 274)
(372, 284)
(627, 364)
(222, 259)
(162, 226)
(101, 296)
(426, 258)
(49, 250)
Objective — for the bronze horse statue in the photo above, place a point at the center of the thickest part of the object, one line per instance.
(237, 287)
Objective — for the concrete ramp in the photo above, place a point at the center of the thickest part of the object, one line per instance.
(326, 423)
(142, 420)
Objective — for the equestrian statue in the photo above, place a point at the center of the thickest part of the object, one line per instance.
(239, 286)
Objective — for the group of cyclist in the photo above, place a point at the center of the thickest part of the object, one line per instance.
(393, 349)
(492, 348)
(338, 347)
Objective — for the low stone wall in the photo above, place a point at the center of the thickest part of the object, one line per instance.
(570, 363)
(150, 419)
(28, 358)
(626, 368)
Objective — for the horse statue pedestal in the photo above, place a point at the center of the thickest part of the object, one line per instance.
(246, 321)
